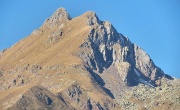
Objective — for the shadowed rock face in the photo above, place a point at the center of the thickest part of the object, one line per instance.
(39, 98)
(105, 47)
(83, 64)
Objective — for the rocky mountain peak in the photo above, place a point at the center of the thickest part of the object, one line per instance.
(58, 16)
(92, 18)
(81, 64)
(111, 49)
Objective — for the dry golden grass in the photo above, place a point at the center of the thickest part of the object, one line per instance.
(38, 49)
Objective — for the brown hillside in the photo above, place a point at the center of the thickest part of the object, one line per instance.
(82, 64)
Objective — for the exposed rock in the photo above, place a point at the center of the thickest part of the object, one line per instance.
(92, 18)
(1, 53)
(124, 68)
(4, 50)
(88, 64)
(75, 92)
(1, 73)
(146, 65)
(100, 42)
(54, 37)
(59, 16)
(87, 105)
(105, 47)
(79, 96)
(39, 98)
(33, 68)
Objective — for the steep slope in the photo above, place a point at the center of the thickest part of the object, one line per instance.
(83, 61)
(39, 98)
(106, 47)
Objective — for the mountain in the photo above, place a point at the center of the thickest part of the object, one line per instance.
(82, 63)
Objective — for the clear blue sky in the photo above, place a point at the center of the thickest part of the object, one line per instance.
(154, 25)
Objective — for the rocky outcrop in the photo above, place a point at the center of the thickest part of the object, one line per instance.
(124, 68)
(87, 65)
(1, 73)
(92, 18)
(58, 17)
(100, 42)
(39, 98)
(78, 96)
(105, 47)
(145, 65)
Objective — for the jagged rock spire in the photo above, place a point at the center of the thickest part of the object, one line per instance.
(92, 18)
(58, 16)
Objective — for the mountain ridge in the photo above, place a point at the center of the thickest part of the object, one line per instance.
(80, 60)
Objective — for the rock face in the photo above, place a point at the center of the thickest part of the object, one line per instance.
(58, 17)
(39, 98)
(105, 47)
(82, 64)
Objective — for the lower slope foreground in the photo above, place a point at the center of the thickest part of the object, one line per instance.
(82, 64)
(36, 98)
